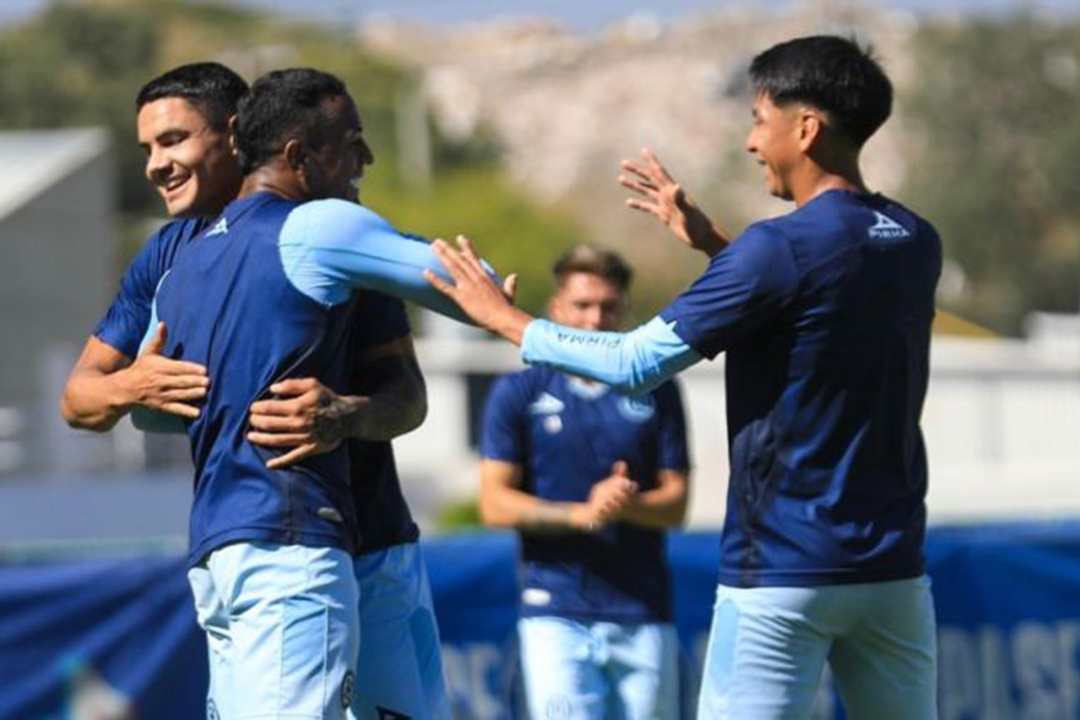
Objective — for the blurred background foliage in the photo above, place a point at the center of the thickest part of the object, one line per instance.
(82, 63)
(993, 142)
(995, 161)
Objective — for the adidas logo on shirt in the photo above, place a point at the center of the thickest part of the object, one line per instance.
(546, 404)
(220, 228)
(887, 229)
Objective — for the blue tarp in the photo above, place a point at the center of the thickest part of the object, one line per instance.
(115, 639)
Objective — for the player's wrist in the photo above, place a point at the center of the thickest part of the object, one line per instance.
(510, 323)
(121, 391)
(580, 517)
(558, 517)
(717, 241)
(705, 236)
(342, 416)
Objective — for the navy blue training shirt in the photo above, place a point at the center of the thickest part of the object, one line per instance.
(383, 515)
(125, 323)
(825, 316)
(229, 306)
(566, 435)
(264, 294)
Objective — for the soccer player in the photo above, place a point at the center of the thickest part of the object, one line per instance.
(825, 316)
(591, 478)
(265, 295)
(184, 127)
(183, 120)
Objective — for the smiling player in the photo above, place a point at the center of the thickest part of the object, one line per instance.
(824, 314)
(183, 121)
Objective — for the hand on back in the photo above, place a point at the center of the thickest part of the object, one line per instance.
(161, 383)
(304, 419)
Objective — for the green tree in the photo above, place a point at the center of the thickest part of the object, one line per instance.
(82, 63)
(78, 65)
(994, 158)
(508, 229)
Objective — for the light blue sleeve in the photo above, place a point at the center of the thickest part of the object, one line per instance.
(633, 362)
(330, 247)
(145, 419)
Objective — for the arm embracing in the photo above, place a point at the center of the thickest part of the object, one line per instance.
(105, 385)
(113, 376)
(93, 397)
(392, 397)
(387, 396)
(329, 247)
(634, 362)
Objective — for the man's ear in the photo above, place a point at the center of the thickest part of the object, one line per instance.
(295, 154)
(811, 125)
(232, 136)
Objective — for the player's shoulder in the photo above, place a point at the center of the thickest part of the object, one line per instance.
(178, 231)
(839, 216)
(891, 207)
(336, 209)
(331, 221)
(415, 237)
(762, 247)
(770, 233)
(773, 226)
(826, 211)
(161, 248)
(841, 206)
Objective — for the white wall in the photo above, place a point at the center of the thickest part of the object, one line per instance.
(1002, 427)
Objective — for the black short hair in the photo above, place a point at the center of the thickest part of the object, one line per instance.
(282, 103)
(213, 88)
(831, 73)
(595, 261)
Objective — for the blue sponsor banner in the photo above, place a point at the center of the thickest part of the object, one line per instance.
(1008, 608)
(115, 639)
(100, 639)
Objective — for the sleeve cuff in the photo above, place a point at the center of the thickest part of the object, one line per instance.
(533, 334)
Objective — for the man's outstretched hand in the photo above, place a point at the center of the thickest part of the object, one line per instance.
(666, 200)
(490, 306)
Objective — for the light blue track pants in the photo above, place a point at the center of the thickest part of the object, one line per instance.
(599, 670)
(282, 628)
(768, 647)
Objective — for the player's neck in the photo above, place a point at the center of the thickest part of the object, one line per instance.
(274, 179)
(814, 178)
(218, 208)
